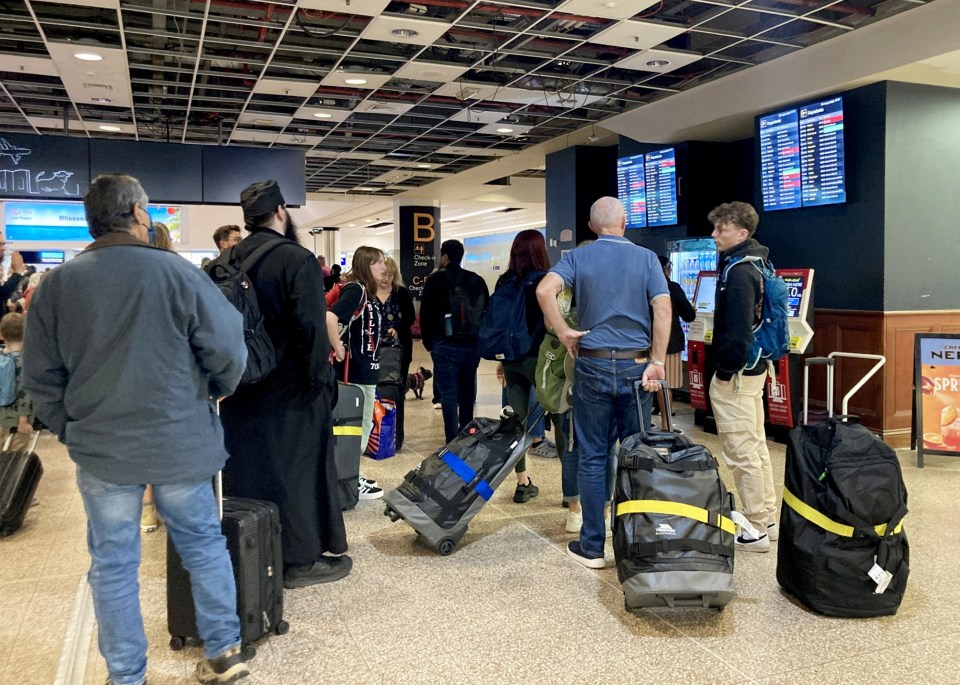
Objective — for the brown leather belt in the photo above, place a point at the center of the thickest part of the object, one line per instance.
(638, 355)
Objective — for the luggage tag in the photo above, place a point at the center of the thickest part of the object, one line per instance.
(879, 576)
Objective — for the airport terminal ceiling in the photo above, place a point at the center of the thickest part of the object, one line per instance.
(383, 96)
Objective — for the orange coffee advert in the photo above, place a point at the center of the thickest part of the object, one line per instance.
(940, 394)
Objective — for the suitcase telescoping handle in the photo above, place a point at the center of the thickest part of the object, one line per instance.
(664, 393)
(830, 362)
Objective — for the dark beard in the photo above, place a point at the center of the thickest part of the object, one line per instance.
(290, 230)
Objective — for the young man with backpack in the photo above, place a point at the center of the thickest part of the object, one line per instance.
(451, 311)
(736, 391)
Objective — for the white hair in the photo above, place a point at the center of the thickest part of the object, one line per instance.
(607, 212)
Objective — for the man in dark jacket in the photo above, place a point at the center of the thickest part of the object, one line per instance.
(450, 311)
(127, 376)
(278, 431)
(736, 393)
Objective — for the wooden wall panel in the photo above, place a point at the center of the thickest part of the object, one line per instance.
(885, 403)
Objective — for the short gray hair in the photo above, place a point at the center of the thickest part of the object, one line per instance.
(607, 212)
(108, 203)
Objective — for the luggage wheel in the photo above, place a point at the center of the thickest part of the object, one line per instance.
(446, 546)
(177, 643)
(391, 513)
(281, 628)
(248, 651)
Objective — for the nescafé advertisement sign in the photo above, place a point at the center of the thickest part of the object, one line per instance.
(937, 384)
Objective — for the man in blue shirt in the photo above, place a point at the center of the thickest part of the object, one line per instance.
(616, 285)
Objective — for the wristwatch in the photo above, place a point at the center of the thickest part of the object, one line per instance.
(656, 362)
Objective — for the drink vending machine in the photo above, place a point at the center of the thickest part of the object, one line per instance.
(784, 387)
(689, 257)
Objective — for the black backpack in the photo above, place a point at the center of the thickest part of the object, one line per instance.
(229, 273)
(466, 307)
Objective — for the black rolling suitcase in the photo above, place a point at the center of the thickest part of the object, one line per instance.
(347, 431)
(441, 496)
(252, 529)
(673, 533)
(392, 385)
(842, 550)
(19, 476)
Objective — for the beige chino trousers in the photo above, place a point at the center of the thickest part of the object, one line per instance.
(738, 410)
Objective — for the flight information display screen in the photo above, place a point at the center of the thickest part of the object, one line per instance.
(802, 156)
(780, 160)
(661, 185)
(631, 189)
(821, 153)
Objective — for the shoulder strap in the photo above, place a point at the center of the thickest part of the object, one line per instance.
(250, 260)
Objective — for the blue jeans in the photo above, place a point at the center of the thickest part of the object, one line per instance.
(604, 408)
(113, 538)
(570, 466)
(455, 370)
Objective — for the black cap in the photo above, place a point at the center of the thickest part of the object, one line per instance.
(261, 198)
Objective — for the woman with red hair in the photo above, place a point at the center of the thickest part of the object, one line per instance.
(528, 264)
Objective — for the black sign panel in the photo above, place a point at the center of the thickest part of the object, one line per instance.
(43, 167)
(228, 170)
(419, 245)
(168, 172)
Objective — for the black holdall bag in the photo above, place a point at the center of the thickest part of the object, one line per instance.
(842, 551)
(674, 528)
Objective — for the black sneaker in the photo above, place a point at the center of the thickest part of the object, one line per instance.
(326, 569)
(525, 493)
(229, 667)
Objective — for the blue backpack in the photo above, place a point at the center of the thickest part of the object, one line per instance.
(8, 378)
(503, 334)
(771, 335)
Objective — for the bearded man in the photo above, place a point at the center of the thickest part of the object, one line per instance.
(278, 431)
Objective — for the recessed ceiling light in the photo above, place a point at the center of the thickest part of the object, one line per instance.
(355, 81)
(366, 189)
(424, 166)
(350, 225)
(263, 122)
(88, 56)
(405, 33)
(657, 63)
(101, 101)
(504, 129)
(323, 115)
(110, 129)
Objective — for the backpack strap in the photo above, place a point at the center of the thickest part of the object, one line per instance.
(251, 260)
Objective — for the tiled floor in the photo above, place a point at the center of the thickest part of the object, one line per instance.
(508, 606)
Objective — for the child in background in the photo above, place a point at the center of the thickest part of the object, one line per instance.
(19, 414)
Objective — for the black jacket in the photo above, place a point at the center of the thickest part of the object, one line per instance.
(737, 310)
(682, 309)
(436, 303)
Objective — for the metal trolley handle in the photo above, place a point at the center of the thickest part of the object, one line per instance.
(829, 362)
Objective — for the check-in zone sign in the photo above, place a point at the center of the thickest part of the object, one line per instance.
(419, 245)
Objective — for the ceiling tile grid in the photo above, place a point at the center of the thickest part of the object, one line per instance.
(427, 88)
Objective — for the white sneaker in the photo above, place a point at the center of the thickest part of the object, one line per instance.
(762, 544)
(368, 491)
(773, 531)
(437, 405)
(574, 521)
(369, 482)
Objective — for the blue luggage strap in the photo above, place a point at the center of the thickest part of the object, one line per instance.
(467, 474)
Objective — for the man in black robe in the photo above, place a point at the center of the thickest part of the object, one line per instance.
(279, 431)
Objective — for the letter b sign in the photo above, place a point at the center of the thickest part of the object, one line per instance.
(423, 231)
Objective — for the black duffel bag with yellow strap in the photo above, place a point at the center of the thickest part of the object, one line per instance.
(842, 549)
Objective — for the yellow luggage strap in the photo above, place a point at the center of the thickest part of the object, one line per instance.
(655, 506)
(348, 430)
(828, 524)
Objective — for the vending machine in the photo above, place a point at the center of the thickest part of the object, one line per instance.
(689, 257)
